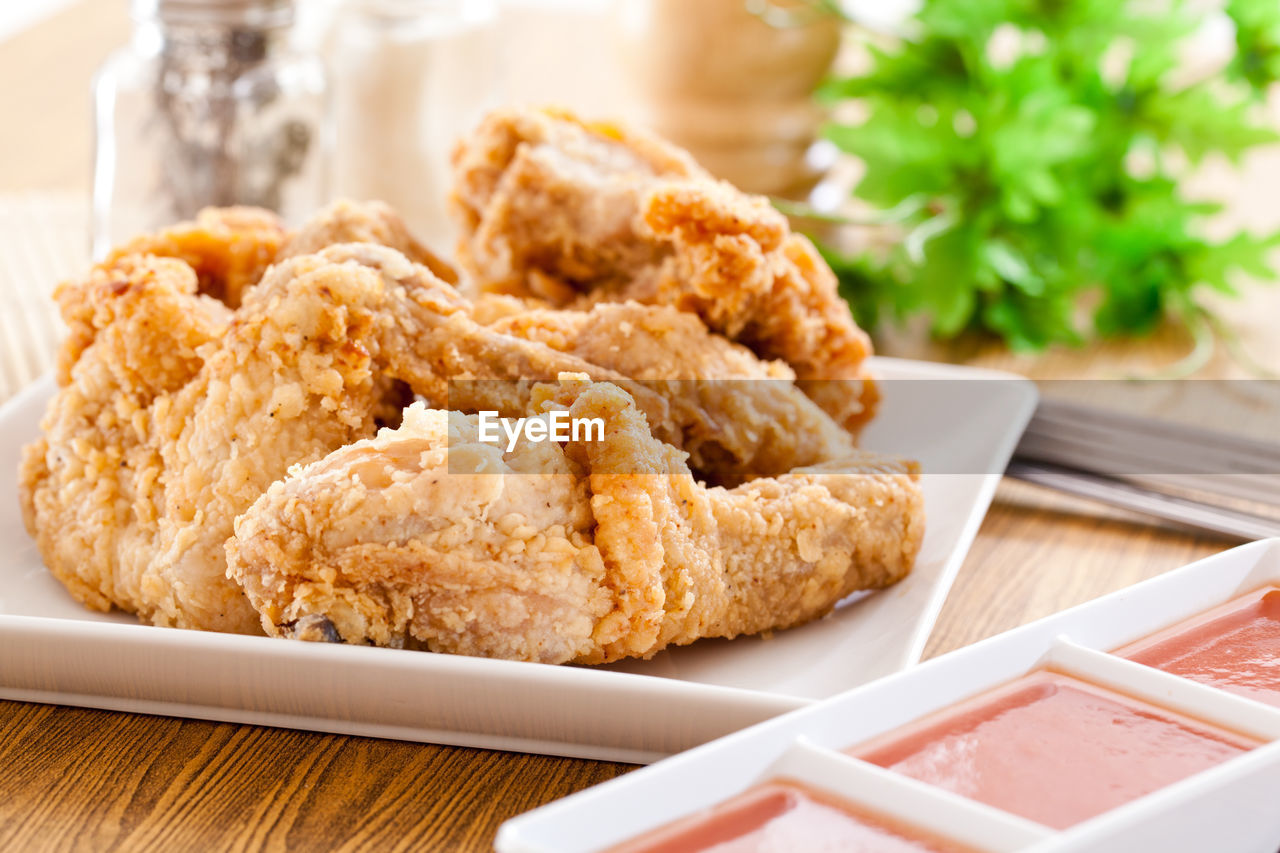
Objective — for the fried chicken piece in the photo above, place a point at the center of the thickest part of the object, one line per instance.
(198, 419)
(346, 221)
(576, 213)
(736, 416)
(454, 359)
(427, 537)
(229, 248)
(91, 487)
(293, 379)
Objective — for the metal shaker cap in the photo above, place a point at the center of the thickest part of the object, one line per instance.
(251, 13)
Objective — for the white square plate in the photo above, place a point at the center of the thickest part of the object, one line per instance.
(54, 650)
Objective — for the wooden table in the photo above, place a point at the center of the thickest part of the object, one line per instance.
(73, 778)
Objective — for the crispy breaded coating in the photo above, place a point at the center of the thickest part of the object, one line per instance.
(346, 221)
(426, 536)
(177, 413)
(229, 248)
(736, 416)
(576, 213)
(187, 413)
(91, 487)
(207, 362)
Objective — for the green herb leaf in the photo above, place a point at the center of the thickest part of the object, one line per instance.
(1032, 140)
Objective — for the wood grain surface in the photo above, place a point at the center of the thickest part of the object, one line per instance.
(74, 779)
(77, 779)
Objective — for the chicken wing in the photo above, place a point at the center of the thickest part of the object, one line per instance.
(576, 213)
(426, 536)
(736, 416)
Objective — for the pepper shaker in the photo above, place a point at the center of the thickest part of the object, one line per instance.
(208, 104)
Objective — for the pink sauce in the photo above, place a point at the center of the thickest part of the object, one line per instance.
(1235, 647)
(1053, 749)
(785, 816)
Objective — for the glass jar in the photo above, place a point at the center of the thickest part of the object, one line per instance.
(208, 105)
(409, 77)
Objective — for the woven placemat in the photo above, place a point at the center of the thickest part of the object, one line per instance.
(43, 240)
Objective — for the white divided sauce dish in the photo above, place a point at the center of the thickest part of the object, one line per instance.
(1232, 807)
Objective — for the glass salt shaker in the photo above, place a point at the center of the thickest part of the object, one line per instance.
(410, 77)
(209, 104)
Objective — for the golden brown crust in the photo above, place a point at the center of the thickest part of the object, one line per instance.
(229, 248)
(209, 360)
(590, 553)
(574, 213)
(736, 416)
(347, 221)
(175, 411)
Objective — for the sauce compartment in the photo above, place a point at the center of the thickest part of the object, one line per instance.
(1074, 749)
(1234, 647)
(785, 814)
(1054, 749)
(812, 788)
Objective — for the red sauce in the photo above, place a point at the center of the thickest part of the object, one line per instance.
(785, 816)
(1053, 749)
(1235, 647)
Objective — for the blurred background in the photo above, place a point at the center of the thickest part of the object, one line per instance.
(1064, 189)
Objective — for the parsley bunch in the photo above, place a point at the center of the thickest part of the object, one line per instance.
(1031, 150)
